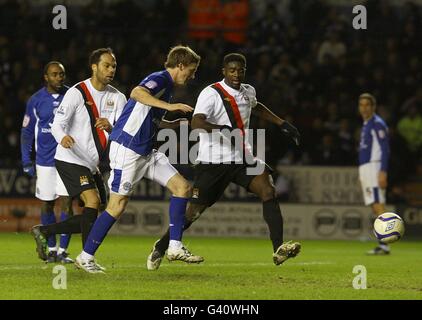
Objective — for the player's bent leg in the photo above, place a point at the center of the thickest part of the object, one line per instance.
(91, 199)
(182, 253)
(193, 213)
(160, 246)
(102, 225)
(263, 186)
(181, 190)
(117, 204)
(179, 187)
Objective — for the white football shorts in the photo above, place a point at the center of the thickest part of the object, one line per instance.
(128, 168)
(368, 176)
(49, 185)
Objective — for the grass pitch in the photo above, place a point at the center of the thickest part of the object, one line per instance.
(238, 269)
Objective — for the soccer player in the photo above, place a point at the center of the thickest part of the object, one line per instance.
(221, 106)
(38, 117)
(374, 152)
(81, 127)
(132, 156)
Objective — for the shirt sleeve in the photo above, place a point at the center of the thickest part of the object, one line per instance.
(252, 98)
(206, 102)
(28, 131)
(382, 135)
(154, 83)
(72, 99)
(121, 102)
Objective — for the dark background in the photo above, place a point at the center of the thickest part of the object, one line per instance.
(306, 61)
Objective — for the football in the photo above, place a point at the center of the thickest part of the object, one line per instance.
(388, 227)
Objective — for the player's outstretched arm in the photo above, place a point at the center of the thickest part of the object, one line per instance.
(143, 96)
(288, 129)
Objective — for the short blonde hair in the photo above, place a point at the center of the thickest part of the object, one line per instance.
(370, 97)
(181, 54)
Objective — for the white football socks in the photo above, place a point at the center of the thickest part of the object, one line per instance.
(175, 244)
(86, 256)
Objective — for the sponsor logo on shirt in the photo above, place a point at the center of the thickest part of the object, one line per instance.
(45, 130)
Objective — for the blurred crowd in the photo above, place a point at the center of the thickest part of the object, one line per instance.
(305, 60)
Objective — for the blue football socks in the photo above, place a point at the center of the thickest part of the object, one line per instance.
(64, 238)
(177, 217)
(98, 232)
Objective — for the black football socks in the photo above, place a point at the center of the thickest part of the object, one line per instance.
(273, 218)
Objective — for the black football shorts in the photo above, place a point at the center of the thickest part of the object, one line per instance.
(76, 178)
(212, 179)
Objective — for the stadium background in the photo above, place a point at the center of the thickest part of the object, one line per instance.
(304, 58)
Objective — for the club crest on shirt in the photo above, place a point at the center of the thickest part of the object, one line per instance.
(381, 133)
(60, 110)
(151, 84)
(110, 103)
(195, 193)
(83, 180)
(127, 186)
(56, 103)
(227, 99)
(368, 191)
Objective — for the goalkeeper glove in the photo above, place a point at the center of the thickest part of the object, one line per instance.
(291, 131)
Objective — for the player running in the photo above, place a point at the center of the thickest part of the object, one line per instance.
(81, 127)
(132, 156)
(227, 105)
(38, 117)
(374, 152)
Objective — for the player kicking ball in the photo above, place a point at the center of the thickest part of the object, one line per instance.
(132, 156)
(227, 105)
